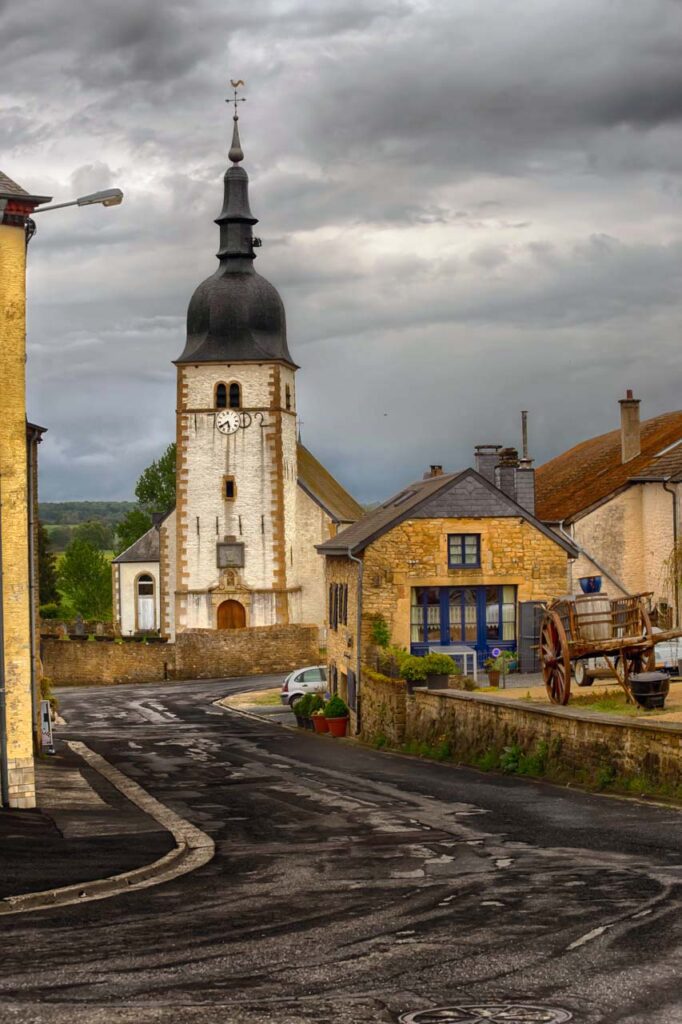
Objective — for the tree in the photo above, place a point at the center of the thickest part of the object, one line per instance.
(155, 490)
(47, 568)
(97, 533)
(61, 537)
(132, 526)
(85, 579)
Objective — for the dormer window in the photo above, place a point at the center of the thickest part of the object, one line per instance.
(235, 396)
(221, 396)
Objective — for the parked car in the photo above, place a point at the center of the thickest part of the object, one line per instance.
(303, 680)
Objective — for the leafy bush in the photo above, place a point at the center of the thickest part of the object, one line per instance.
(380, 633)
(440, 665)
(413, 669)
(316, 703)
(49, 610)
(336, 707)
(300, 706)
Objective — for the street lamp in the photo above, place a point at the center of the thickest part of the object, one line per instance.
(109, 197)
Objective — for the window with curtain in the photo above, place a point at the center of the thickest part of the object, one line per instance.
(464, 550)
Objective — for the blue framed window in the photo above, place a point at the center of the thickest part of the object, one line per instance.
(464, 550)
(480, 617)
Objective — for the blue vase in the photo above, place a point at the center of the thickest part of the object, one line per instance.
(590, 584)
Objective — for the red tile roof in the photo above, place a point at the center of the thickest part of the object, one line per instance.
(587, 474)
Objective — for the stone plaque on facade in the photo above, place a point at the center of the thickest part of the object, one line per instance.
(230, 556)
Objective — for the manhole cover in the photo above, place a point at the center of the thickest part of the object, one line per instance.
(493, 1013)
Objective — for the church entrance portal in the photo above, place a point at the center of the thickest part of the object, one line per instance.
(231, 615)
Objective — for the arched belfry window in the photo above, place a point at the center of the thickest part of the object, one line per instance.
(235, 396)
(220, 396)
(287, 396)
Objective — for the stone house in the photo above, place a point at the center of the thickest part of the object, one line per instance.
(617, 497)
(451, 561)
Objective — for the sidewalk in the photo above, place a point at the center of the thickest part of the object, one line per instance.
(83, 830)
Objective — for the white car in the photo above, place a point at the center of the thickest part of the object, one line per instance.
(303, 680)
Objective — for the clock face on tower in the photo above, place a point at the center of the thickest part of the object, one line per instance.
(228, 421)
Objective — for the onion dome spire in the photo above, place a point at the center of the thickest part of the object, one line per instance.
(236, 314)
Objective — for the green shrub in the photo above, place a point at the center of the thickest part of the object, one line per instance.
(336, 707)
(413, 668)
(510, 759)
(49, 611)
(440, 665)
(380, 633)
(300, 706)
(316, 703)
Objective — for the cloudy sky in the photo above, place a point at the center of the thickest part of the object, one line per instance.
(470, 207)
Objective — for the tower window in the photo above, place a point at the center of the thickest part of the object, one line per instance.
(221, 396)
(235, 396)
(229, 488)
(287, 396)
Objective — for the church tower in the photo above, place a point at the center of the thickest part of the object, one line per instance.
(236, 437)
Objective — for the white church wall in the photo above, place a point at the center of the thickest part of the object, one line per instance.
(313, 526)
(129, 573)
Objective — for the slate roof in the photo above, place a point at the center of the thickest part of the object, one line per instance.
(430, 498)
(10, 190)
(325, 490)
(146, 549)
(589, 473)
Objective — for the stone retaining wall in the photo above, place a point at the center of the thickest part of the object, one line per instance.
(199, 654)
(584, 746)
(580, 743)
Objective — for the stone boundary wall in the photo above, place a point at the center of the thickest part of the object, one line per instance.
(383, 709)
(579, 742)
(199, 654)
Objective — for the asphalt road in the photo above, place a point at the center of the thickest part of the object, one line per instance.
(353, 886)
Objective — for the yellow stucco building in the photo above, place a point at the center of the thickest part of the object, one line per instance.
(17, 786)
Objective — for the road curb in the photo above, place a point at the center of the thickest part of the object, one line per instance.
(193, 849)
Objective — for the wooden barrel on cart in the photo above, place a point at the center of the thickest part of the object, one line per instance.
(593, 617)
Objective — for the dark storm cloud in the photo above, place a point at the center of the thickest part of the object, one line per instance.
(469, 209)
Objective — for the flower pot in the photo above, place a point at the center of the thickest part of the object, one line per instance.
(338, 726)
(320, 723)
(300, 722)
(650, 688)
(493, 677)
(437, 682)
(590, 584)
(309, 723)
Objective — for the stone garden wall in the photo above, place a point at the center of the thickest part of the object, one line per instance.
(383, 708)
(199, 654)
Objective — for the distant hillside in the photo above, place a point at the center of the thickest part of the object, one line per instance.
(71, 513)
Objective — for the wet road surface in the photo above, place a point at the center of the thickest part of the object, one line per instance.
(352, 886)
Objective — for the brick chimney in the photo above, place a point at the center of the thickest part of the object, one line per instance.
(486, 456)
(433, 471)
(630, 436)
(505, 471)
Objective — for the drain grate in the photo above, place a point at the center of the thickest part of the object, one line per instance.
(491, 1013)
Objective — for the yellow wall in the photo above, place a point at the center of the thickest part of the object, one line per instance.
(14, 516)
(631, 536)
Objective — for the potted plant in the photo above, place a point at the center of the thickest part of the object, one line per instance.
(337, 714)
(439, 668)
(299, 708)
(316, 712)
(497, 665)
(413, 670)
(590, 584)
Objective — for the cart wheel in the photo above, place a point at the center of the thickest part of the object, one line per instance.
(580, 674)
(556, 663)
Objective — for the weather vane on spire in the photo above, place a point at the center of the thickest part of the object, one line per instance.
(236, 153)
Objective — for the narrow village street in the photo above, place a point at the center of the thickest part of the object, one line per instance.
(351, 885)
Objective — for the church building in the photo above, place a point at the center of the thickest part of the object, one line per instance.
(251, 502)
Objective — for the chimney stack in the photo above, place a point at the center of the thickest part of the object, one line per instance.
(630, 437)
(505, 471)
(433, 471)
(486, 459)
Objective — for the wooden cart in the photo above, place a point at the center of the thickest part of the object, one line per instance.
(619, 631)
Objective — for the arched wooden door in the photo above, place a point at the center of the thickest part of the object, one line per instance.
(231, 615)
